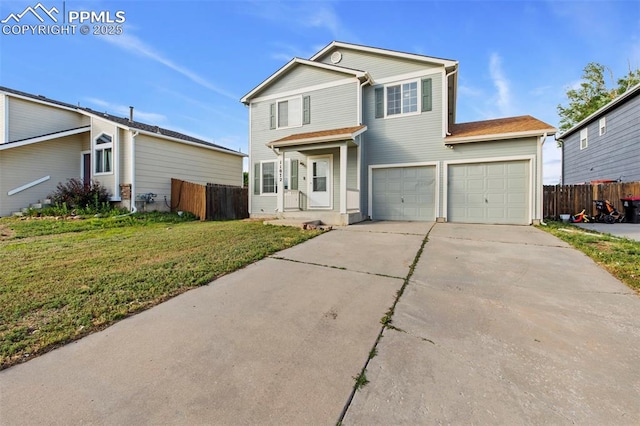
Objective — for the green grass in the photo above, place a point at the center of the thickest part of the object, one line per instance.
(619, 256)
(64, 279)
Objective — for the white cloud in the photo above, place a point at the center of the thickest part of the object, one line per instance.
(123, 110)
(137, 46)
(503, 96)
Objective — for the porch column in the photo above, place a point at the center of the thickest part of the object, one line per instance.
(343, 178)
(280, 183)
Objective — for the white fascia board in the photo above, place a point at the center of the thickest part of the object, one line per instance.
(499, 136)
(44, 138)
(302, 90)
(629, 93)
(318, 139)
(40, 101)
(412, 56)
(246, 98)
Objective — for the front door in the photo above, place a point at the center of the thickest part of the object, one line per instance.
(320, 182)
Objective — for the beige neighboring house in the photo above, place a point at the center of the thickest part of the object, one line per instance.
(44, 142)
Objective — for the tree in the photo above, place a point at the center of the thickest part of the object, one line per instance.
(592, 94)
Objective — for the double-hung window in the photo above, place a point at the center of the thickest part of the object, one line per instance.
(403, 98)
(603, 126)
(584, 138)
(265, 180)
(290, 112)
(103, 154)
(268, 177)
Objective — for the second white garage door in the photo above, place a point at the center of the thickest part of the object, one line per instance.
(489, 192)
(404, 193)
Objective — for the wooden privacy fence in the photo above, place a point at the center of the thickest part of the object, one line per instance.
(571, 199)
(210, 202)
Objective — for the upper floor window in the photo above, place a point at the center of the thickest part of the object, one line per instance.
(103, 154)
(405, 98)
(602, 125)
(584, 138)
(290, 112)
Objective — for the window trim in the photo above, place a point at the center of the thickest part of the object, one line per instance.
(102, 147)
(279, 101)
(286, 178)
(584, 136)
(418, 110)
(602, 126)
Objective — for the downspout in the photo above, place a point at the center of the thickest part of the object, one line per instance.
(539, 179)
(133, 171)
(360, 87)
(446, 102)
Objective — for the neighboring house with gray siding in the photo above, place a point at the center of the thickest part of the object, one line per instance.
(358, 132)
(44, 142)
(605, 145)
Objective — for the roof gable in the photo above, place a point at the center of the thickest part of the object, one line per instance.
(291, 65)
(447, 63)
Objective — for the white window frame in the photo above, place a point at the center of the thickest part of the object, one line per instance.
(275, 178)
(102, 147)
(278, 102)
(584, 138)
(602, 126)
(401, 84)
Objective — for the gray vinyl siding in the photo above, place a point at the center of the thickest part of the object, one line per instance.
(3, 100)
(612, 156)
(58, 158)
(331, 108)
(30, 119)
(378, 66)
(159, 160)
(303, 76)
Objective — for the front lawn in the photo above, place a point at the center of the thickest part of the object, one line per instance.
(63, 279)
(619, 256)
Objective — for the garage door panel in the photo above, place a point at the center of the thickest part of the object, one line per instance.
(495, 192)
(404, 193)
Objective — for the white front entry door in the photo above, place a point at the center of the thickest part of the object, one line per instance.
(320, 182)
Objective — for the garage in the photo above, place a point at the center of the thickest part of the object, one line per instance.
(404, 193)
(493, 192)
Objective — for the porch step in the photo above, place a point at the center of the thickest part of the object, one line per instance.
(300, 223)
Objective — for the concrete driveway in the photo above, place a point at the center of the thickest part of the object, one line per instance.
(625, 230)
(497, 325)
(506, 325)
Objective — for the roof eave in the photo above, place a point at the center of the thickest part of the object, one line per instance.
(620, 99)
(246, 99)
(451, 140)
(317, 139)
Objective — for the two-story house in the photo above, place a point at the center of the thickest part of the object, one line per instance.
(358, 132)
(44, 142)
(605, 146)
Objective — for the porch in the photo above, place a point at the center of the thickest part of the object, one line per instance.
(318, 176)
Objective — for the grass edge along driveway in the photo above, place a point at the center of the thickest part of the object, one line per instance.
(619, 256)
(78, 278)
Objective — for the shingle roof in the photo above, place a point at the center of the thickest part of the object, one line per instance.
(342, 133)
(520, 124)
(120, 120)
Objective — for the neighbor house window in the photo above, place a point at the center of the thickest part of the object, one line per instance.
(603, 126)
(584, 138)
(291, 112)
(103, 154)
(404, 98)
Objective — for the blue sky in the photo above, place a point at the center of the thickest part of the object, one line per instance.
(185, 64)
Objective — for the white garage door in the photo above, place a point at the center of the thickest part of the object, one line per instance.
(404, 193)
(489, 193)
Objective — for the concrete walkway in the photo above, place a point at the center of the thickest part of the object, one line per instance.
(497, 325)
(625, 230)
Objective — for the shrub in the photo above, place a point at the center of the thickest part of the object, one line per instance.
(85, 198)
